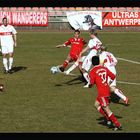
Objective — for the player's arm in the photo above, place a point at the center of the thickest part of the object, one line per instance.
(84, 50)
(59, 46)
(14, 35)
(64, 45)
(115, 61)
(15, 39)
(110, 74)
(92, 77)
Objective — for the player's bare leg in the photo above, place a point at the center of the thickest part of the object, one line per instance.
(86, 76)
(101, 110)
(119, 93)
(72, 68)
(65, 64)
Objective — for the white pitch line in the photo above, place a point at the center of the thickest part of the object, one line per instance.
(129, 83)
(135, 62)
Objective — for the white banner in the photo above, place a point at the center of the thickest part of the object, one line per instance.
(85, 20)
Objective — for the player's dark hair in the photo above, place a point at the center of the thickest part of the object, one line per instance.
(4, 18)
(77, 31)
(95, 60)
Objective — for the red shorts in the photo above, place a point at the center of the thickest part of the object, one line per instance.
(104, 101)
(74, 57)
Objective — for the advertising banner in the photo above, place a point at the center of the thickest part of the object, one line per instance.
(26, 18)
(121, 19)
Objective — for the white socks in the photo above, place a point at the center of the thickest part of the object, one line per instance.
(10, 62)
(72, 67)
(120, 94)
(86, 76)
(5, 63)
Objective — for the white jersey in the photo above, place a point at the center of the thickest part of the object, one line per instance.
(6, 33)
(94, 45)
(108, 59)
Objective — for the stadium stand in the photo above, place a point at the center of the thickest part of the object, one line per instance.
(28, 8)
(100, 8)
(129, 9)
(93, 9)
(71, 9)
(35, 8)
(5, 8)
(50, 9)
(57, 8)
(107, 9)
(86, 8)
(43, 9)
(122, 9)
(136, 8)
(51, 13)
(59, 13)
(13, 8)
(79, 9)
(114, 8)
(64, 8)
(20, 8)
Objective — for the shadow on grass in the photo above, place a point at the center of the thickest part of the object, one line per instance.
(19, 68)
(73, 81)
(101, 120)
(115, 99)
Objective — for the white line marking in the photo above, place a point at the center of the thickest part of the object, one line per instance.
(135, 62)
(129, 83)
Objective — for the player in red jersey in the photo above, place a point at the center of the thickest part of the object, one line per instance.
(99, 76)
(76, 44)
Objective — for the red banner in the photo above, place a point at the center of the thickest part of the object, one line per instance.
(120, 19)
(26, 18)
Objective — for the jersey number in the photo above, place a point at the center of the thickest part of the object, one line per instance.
(110, 58)
(103, 76)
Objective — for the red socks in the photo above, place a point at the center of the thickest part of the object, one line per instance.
(65, 64)
(114, 120)
(103, 112)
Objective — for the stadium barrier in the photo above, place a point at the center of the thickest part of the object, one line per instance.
(54, 18)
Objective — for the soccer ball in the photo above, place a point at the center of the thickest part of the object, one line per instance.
(54, 70)
(1, 87)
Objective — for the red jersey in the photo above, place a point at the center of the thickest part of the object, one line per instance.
(76, 45)
(99, 76)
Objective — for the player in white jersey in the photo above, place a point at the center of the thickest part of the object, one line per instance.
(108, 60)
(92, 48)
(8, 41)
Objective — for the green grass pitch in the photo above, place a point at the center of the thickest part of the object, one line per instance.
(37, 101)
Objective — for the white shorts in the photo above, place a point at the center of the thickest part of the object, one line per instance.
(113, 70)
(7, 49)
(87, 61)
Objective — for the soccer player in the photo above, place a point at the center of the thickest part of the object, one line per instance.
(77, 44)
(93, 47)
(99, 76)
(8, 41)
(108, 60)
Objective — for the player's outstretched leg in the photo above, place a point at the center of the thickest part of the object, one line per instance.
(120, 94)
(86, 76)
